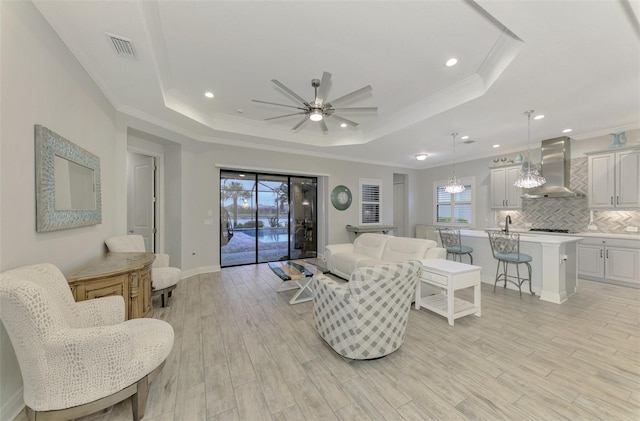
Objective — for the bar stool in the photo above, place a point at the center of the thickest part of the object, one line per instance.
(450, 240)
(506, 249)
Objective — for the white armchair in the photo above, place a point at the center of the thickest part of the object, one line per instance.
(366, 317)
(164, 279)
(77, 358)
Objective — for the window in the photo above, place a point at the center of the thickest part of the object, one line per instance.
(457, 208)
(370, 201)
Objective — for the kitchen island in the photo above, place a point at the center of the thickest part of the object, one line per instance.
(554, 267)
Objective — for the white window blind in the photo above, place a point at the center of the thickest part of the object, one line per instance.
(454, 208)
(370, 201)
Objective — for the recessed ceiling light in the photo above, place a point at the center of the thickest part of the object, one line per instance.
(421, 156)
(451, 62)
(539, 117)
(567, 130)
(208, 94)
(241, 175)
(496, 146)
(464, 137)
(343, 125)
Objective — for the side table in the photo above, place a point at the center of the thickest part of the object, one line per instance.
(450, 276)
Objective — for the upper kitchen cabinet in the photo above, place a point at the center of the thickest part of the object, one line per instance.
(504, 194)
(614, 179)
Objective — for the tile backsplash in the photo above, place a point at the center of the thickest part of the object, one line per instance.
(569, 212)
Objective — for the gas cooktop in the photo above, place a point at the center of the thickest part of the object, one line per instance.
(550, 230)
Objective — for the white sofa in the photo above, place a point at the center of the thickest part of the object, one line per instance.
(378, 249)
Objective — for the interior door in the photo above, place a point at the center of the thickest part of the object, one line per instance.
(399, 201)
(141, 198)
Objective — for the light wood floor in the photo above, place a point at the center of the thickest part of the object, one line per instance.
(243, 353)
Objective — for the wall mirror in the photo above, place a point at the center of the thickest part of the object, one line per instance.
(67, 183)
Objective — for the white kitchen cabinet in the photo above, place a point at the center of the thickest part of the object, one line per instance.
(622, 264)
(614, 179)
(591, 260)
(609, 260)
(504, 195)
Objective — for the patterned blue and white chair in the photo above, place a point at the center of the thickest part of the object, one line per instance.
(366, 317)
(506, 249)
(77, 358)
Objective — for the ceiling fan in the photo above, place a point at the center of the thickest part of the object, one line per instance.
(319, 109)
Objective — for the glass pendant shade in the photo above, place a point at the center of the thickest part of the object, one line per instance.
(529, 175)
(454, 185)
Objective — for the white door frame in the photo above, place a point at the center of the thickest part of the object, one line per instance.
(159, 180)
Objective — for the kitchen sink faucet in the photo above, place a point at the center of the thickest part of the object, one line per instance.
(507, 221)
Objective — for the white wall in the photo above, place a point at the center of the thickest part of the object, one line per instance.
(201, 163)
(42, 83)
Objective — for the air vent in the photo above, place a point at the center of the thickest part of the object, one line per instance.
(122, 46)
(469, 141)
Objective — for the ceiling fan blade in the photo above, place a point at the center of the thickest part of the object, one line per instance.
(323, 125)
(290, 92)
(345, 120)
(355, 109)
(353, 94)
(324, 87)
(301, 123)
(282, 116)
(275, 103)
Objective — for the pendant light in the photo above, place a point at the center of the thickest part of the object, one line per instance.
(454, 185)
(529, 175)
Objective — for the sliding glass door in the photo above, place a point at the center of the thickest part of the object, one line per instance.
(303, 215)
(273, 218)
(266, 217)
(237, 218)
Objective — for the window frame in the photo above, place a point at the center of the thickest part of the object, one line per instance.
(470, 181)
(361, 183)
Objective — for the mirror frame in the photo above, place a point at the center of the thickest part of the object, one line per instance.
(47, 145)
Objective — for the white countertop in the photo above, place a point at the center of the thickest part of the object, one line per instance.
(630, 236)
(528, 238)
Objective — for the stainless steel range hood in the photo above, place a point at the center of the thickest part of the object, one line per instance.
(555, 168)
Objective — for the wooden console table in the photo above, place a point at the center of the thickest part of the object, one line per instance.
(125, 274)
(359, 229)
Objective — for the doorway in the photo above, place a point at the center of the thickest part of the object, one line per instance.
(266, 217)
(399, 204)
(141, 198)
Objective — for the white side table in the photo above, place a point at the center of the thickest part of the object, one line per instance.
(450, 276)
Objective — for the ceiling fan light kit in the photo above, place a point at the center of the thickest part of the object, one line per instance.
(319, 109)
(315, 115)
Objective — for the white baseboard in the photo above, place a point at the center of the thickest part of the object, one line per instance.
(13, 407)
(198, 271)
